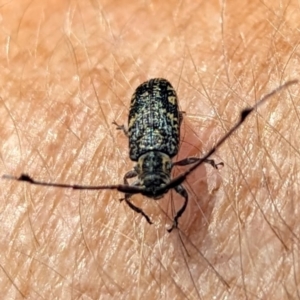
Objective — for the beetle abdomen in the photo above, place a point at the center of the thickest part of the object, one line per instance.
(154, 119)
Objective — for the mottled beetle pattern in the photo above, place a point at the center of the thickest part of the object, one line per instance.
(154, 120)
(154, 135)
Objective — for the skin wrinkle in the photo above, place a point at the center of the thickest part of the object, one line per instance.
(69, 70)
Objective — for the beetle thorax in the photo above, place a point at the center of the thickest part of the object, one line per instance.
(154, 171)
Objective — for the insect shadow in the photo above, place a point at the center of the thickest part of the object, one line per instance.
(154, 137)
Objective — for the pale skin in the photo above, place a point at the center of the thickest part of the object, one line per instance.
(68, 72)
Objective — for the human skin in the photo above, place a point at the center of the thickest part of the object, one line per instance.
(68, 70)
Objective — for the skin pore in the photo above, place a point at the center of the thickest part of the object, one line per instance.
(69, 70)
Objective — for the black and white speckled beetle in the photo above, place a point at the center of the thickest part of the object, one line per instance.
(154, 135)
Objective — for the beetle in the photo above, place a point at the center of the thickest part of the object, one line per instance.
(154, 133)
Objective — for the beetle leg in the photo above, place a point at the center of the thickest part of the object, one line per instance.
(121, 127)
(132, 174)
(135, 208)
(181, 113)
(181, 191)
(191, 160)
(129, 174)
